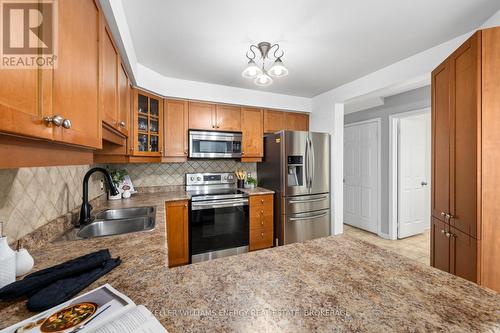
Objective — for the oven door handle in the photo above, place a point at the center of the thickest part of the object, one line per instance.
(218, 204)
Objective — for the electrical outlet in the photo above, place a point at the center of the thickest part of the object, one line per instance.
(102, 184)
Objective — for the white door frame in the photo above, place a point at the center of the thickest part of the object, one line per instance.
(378, 121)
(393, 167)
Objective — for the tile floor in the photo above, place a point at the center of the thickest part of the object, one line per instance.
(416, 247)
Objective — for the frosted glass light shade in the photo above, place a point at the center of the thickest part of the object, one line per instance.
(252, 70)
(278, 69)
(263, 80)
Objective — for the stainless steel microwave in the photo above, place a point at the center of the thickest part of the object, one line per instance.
(211, 144)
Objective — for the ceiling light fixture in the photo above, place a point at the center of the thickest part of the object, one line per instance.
(261, 76)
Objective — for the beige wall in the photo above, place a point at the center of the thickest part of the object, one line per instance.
(31, 197)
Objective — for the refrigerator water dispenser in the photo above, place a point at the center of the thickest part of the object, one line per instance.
(295, 171)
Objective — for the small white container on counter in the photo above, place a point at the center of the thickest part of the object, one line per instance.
(24, 262)
(7, 261)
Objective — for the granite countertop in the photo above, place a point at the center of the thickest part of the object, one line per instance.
(256, 191)
(330, 284)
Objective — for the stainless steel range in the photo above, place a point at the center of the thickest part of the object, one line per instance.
(218, 218)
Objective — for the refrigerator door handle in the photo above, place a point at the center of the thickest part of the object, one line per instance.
(310, 164)
(307, 162)
(313, 162)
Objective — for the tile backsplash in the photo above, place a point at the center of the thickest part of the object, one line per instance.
(164, 174)
(31, 197)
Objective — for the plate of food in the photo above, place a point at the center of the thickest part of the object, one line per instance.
(69, 317)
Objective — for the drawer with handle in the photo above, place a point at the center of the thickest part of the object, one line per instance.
(305, 226)
(261, 239)
(261, 202)
(306, 203)
(261, 221)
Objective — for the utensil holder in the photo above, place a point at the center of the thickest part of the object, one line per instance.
(241, 183)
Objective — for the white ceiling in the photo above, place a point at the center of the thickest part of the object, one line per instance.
(327, 42)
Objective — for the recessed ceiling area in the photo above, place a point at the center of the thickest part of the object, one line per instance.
(327, 43)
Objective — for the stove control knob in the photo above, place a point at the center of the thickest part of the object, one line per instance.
(198, 178)
(192, 178)
(225, 177)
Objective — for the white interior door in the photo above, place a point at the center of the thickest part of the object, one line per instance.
(361, 175)
(413, 175)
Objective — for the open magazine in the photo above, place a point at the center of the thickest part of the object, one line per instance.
(102, 310)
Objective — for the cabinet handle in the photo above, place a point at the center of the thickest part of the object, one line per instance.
(443, 214)
(262, 222)
(262, 201)
(261, 212)
(66, 123)
(448, 234)
(55, 120)
(121, 124)
(262, 234)
(442, 231)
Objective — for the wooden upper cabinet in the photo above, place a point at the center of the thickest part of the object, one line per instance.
(175, 128)
(176, 215)
(228, 118)
(440, 203)
(296, 121)
(75, 87)
(109, 78)
(273, 121)
(202, 116)
(124, 90)
(252, 132)
(147, 119)
(465, 82)
(20, 106)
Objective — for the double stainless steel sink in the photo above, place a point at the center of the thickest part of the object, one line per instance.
(116, 222)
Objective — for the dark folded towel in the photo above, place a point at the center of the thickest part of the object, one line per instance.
(64, 289)
(39, 280)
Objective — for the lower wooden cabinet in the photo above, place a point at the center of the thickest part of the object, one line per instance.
(440, 245)
(453, 251)
(463, 255)
(261, 222)
(176, 215)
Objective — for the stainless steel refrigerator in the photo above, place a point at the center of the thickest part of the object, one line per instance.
(296, 166)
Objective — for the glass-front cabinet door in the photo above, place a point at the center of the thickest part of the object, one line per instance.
(148, 114)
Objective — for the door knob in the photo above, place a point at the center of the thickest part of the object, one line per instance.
(66, 123)
(55, 120)
(121, 124)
